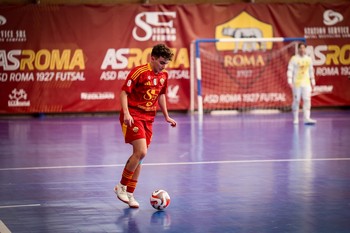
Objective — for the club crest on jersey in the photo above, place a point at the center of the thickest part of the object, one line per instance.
(155, 82)
(162, 80)
(135, 129)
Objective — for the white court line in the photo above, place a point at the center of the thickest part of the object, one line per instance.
(179, 163)
(17, 206)
(3, 228)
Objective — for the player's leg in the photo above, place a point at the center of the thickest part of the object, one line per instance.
(306, 95)
(135, 135)
(131, 171)
(139, 152)
(135, 176)
(147, 127)
(296, 104)
(134, 164)
(131, 188)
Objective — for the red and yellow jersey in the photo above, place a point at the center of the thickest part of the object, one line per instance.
(143, 87)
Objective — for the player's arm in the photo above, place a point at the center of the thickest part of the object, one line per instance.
(128, 120)
(163, 107)
(290, 72)
(312, 74)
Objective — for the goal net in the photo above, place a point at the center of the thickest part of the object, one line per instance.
(243, 74)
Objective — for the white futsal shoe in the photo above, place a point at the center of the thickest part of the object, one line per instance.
(309, 121)
(132, 201)
(296, 121)
(307, 118)
(122, 195)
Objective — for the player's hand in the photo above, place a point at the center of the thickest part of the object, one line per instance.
(171, 121)
(128, 120)
(173, 124)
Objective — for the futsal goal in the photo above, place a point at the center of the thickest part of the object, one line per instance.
(241, 74)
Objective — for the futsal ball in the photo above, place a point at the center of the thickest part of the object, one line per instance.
(160, 199)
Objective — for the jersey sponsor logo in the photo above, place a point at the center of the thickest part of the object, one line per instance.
(151, 96)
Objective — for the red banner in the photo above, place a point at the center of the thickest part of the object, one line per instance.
(75, 58)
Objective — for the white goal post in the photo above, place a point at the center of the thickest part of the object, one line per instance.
(240, 73)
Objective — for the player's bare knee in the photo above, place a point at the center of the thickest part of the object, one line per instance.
(140, 154)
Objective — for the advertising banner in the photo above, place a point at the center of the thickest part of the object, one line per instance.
(75, 58)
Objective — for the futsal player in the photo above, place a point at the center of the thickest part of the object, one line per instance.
(301, 79)
(144, 87)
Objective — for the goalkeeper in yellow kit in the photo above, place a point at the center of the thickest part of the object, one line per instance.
(301, 79)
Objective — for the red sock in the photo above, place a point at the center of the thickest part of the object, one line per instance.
(131, 186)
(126, 177)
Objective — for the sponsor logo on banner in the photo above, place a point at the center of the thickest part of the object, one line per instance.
(172, 93)
(149, 26)
(331, 17)
(97, 96)
(331, 29)
(155, 26)
(11, 35)
(322, 89)
(18, 98)
(43, 65)
(2, 20)
(330, 60)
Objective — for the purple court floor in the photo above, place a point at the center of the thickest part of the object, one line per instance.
(238, 173)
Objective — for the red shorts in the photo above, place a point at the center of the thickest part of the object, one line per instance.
(140, 129)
